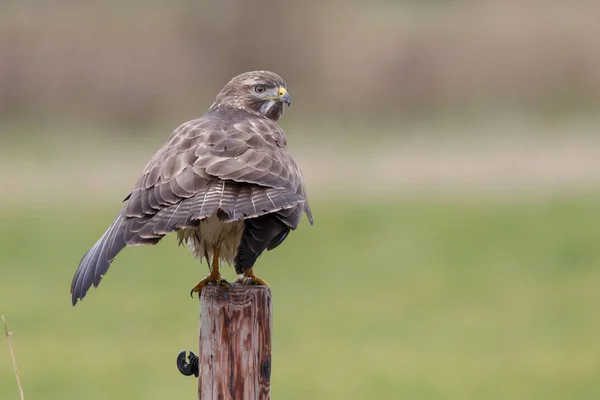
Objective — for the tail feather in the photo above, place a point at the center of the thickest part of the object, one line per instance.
(260, 234)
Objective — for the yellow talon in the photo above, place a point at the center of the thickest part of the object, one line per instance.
(248, 278)
(214, 277)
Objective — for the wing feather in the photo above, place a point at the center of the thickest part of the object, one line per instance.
(96, 261)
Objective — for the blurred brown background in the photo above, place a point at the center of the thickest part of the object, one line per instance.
(437, 95)
(135, 61)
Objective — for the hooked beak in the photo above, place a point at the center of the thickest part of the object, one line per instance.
(284, 96)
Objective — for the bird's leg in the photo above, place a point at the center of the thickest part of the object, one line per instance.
(214, 277)
(248, 278)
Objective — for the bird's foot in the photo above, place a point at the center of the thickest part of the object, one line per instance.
(248, 278)
(214, 280)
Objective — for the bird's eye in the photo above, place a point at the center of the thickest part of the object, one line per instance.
(259, 89)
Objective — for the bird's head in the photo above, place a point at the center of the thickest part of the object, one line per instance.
(259, 92)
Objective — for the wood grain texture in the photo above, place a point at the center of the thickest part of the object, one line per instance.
(235, 343)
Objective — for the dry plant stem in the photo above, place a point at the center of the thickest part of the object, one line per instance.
(12, 355)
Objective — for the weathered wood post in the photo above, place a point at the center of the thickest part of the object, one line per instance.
(235, 343)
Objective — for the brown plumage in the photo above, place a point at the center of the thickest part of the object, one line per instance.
(224, 182)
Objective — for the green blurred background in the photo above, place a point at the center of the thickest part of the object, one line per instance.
(452, 157)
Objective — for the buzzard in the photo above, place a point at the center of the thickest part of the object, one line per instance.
(225, 182)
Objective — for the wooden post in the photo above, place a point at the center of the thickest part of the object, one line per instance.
(235, 343)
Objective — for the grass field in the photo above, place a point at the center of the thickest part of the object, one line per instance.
(404, 299)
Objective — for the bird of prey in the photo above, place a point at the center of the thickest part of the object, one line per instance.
(225, 182)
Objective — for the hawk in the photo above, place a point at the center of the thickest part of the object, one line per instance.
(225, 182)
